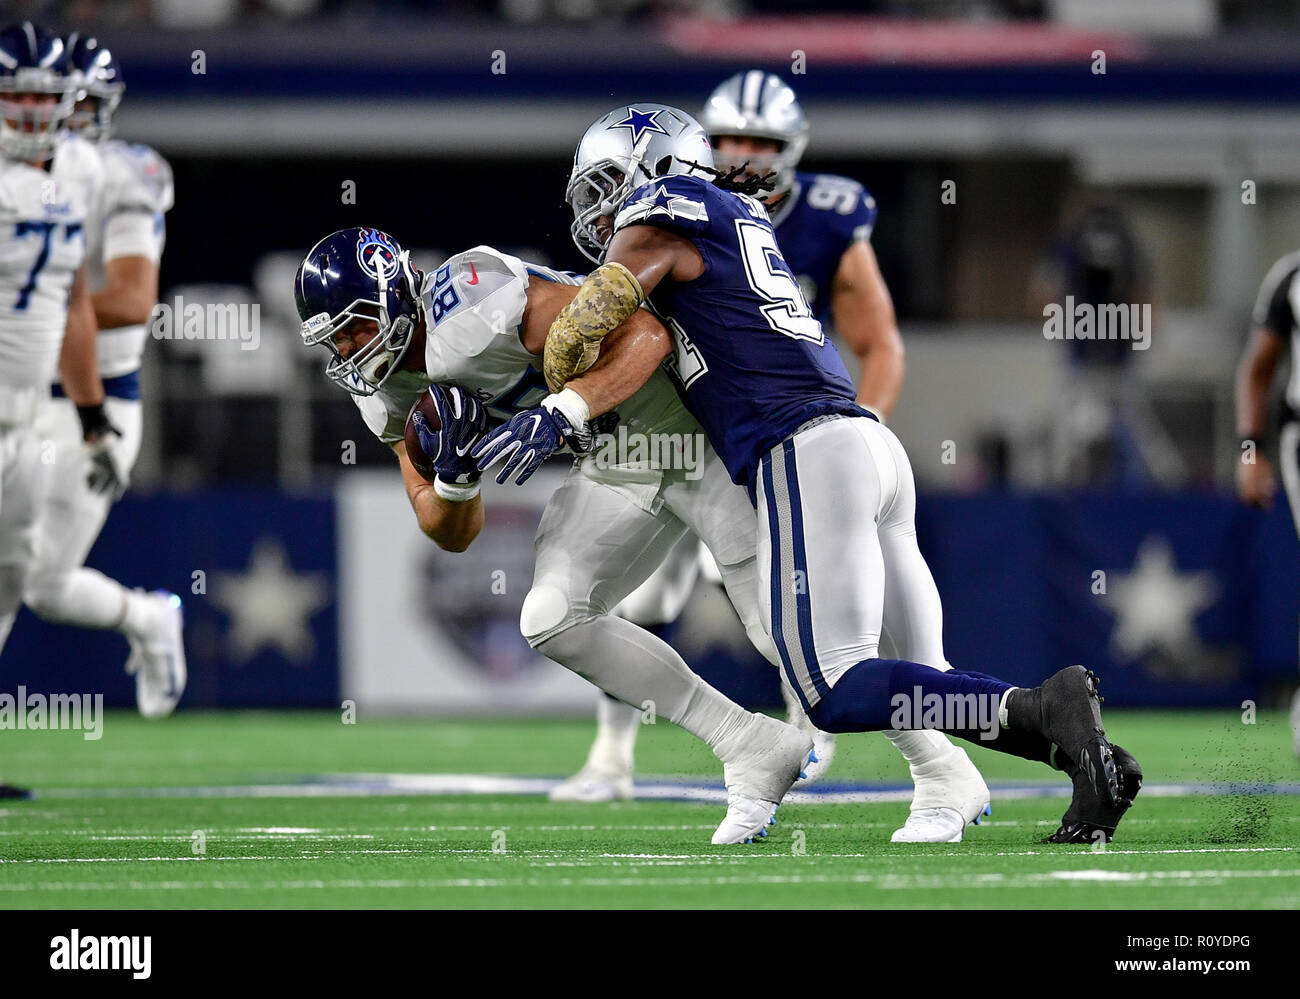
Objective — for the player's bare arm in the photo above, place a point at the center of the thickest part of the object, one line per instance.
(451, 526)
(628, 357)
(1256, 483)
(639, 257)
(78, 361)
(130, 293)
(864, 316)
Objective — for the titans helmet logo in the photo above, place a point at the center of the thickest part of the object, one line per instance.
(376, 251)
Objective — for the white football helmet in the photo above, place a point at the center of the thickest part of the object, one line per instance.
(759, 105)
(624, 149)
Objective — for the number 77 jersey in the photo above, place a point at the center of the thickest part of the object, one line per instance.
(751, 358)
(42, 245)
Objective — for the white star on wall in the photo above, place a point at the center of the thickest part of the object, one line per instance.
(269, 605)
(1155, 606)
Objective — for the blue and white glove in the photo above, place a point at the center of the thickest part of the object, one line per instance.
(530, 437)
(463, 420)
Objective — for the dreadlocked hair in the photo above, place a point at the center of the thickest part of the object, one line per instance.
(736, 179)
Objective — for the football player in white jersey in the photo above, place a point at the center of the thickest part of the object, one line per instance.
(48, 183)
(823, 224)
(475, 327)
(124, 239)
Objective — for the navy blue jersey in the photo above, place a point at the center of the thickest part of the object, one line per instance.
(821, 217)
(752, 359)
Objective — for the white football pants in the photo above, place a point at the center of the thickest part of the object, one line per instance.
(838, 557)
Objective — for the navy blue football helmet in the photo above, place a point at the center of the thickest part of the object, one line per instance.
(358, 273)
(33, 61)
(98, 78)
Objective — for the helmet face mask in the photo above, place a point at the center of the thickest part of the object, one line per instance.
(596, 194)
(359, 274)
(37, 92)
(621, 151)
(759, 105)
(29, 131)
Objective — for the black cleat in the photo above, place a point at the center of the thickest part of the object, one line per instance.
(1088, 815)
(1067, 710)
(9, 791)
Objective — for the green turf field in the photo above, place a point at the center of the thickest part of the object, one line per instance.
(119, 823)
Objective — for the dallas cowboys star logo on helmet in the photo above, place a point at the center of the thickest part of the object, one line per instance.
(641, 122)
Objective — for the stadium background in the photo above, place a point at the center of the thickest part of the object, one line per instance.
(262, 499)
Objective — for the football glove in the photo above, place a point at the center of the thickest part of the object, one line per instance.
(463, 420)
(108, 474)
(527, 440)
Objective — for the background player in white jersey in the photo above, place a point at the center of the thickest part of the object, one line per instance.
(48, 182)
(124, 238)
(475, 327)
(823, 225)
(1275, 324)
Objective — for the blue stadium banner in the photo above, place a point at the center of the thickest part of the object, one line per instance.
(257, 572)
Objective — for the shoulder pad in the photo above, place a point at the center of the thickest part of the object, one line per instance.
(671, 202)
(138, 177)
(80, 159)
(847, 204)
(470, 302)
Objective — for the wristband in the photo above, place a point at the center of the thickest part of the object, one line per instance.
(94, 421)
(453, 492)
(569, 404)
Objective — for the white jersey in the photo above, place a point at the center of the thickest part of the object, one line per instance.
(43, 219)
(474, 308)
(127, 221)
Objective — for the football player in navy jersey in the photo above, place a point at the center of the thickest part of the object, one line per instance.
(823, 225)
(833, 490)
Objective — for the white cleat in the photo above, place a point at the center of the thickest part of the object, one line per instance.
(759, 779)
(745, 819)
(931, 825)
(593, 787)
(158, 662)
(950, 794)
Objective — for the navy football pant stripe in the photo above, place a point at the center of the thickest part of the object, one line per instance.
(801, 584)
(774, 581)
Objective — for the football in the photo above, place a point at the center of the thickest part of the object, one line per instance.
(428, 411)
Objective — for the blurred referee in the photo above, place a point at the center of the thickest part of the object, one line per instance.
(1272, 325)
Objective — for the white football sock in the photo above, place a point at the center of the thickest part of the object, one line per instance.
(141, 617)
(87, 599)
(616, 728)
(635, 666)
(920, 747)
